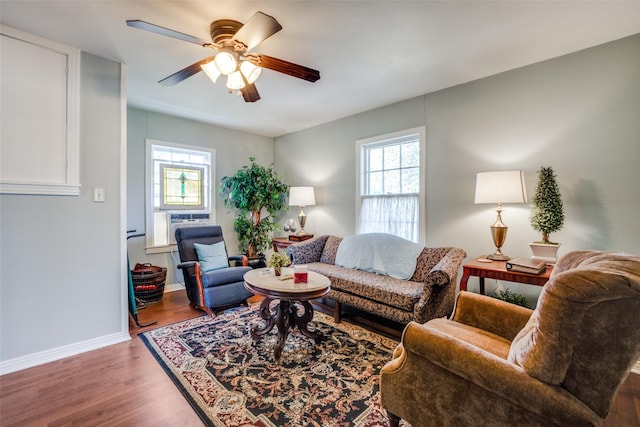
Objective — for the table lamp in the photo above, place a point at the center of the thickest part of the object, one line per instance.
(302, 196)
(500, 187)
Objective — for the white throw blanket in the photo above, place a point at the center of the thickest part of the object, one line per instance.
(379, 253)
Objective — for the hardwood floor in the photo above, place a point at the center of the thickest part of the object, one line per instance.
(122, 385)
(119, 385)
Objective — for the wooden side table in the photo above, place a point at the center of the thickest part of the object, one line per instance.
(498, 270)
(285, 242)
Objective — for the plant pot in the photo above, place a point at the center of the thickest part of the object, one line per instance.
(257, 262)
(277, 271)
(546, 252)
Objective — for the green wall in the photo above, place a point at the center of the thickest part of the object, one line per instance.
(578, 113)
(61, 275)
(61, 264)
(233, 149)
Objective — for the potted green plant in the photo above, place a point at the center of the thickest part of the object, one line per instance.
(513, 298)
(258, 194)
(277, 260)
(547, 214)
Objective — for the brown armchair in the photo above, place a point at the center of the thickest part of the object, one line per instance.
(494, 363)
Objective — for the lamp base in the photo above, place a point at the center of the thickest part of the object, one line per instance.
(498, 257)
(302, 219)
(499, 235)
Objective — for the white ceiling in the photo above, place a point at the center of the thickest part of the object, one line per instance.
(369, 53)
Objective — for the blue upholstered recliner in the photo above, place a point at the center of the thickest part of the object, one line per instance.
(217, 285)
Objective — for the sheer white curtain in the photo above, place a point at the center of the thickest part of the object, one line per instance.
(397, 214)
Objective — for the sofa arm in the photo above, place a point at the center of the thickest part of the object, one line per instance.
(446, 270)
(307, 251)
(490, 314)
(504, 384)
(439, 284)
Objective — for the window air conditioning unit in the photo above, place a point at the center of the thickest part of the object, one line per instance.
(185, 220)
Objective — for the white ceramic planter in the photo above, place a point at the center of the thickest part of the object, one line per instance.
(546, 252)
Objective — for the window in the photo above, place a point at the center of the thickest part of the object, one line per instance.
(179, 186)
(390, 184)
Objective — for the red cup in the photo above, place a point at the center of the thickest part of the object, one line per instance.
(300, 275)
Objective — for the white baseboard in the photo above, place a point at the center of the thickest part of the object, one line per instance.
(636, 367)
(40, 358)
(174, 287)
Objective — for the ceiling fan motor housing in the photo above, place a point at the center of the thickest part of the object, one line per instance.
(223, 30)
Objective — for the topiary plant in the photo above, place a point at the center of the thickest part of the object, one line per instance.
(251, 190)
(547, 212)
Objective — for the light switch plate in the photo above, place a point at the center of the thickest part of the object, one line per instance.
(99, 194)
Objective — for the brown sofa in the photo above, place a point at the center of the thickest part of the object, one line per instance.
(428, 294)
(498, 364)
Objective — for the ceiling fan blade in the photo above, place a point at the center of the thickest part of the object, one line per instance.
(185, 73)
(257, 29)
(143, 25)
(250, 93)
(289, 68)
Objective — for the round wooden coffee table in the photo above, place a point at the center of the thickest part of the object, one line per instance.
(291, 296)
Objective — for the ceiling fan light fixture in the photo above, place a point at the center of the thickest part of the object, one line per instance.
(234, 42)
(235, 81)
(211, 70)
(250, 70)
(226, 62)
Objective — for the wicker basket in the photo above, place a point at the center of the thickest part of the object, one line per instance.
(148, 283)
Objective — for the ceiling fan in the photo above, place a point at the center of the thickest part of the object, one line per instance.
(234, 58)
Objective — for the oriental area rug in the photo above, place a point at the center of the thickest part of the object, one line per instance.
(230, 380)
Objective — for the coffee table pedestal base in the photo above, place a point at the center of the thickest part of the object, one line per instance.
(285, 317)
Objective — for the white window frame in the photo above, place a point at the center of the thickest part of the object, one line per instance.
(210, 200)
(381, 140)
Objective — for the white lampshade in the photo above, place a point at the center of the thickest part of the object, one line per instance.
(235, 81)
(211, 70)
(301, 196)
(226, 62)
(500, 187)
(250, 70)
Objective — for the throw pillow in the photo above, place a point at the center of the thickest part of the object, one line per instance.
(211, 257)
(330, 249)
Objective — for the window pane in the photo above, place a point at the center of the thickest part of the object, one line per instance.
(375, 183)
(392, 182)
(180, 157)
(181, 187)
(394, 215)
(160, 227)
(411, 180)
(161, 155)
(375, 159)
(391, 169)
(196, 159)
(392, 157)
(411, 154)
